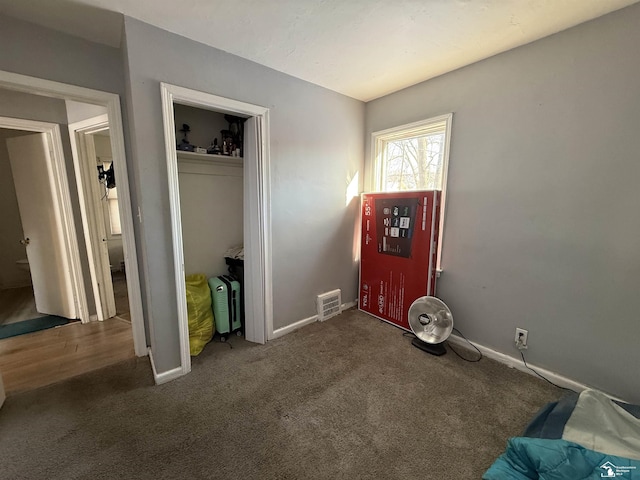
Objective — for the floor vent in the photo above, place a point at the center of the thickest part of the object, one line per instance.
(329, 305)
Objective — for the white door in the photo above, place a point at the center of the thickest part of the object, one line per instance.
(31, 167)
(255, 310)
(92, 198)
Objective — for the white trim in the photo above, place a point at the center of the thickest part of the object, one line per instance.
(164, 377)
(92, 212)
(265, 179)
(376, 164)
(176, 228)
(443, 195)
(294, 326)
(347, 305)
(116, 134)
(518, 364)
(23, 83)
(400, 129)
(206, 158)
(198, 164)
(62, 208)
(63, 198)
(260, 324)
(434, 209)
(307, 321)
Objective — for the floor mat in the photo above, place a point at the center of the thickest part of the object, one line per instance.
(33, 325)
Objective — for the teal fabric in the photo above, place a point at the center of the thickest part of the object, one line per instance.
(33, 325)
(543, 459)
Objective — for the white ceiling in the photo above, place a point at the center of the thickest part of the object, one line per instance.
(361, 48)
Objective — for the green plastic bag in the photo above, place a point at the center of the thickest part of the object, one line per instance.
(200, 315)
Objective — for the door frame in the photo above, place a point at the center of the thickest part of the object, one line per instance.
(256, 199)
(62, 209)
(63, 91)
(93, 220)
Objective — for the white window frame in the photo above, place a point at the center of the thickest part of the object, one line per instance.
(410, 130)
(106, 207)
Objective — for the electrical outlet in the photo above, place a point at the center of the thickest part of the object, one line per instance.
(521, 338)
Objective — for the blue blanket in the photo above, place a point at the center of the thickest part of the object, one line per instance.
(543, 459)
(586, 436)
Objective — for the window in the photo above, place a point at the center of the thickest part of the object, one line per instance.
(414, 157)
(110, 205)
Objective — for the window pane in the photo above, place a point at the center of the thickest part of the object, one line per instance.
(413, 163)
(114, 216)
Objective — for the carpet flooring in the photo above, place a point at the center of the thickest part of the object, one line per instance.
(349, 398)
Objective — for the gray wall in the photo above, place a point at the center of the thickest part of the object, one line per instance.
(51, 55)
(542, 221)
(44, 53)
(78, 111)
(316, 145)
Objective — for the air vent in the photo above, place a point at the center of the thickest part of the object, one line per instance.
(329, 305)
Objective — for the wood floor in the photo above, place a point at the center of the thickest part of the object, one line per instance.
(37, 359)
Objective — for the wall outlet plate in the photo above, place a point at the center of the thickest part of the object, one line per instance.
(521, 338)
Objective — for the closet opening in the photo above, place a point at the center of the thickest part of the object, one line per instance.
(218, 169)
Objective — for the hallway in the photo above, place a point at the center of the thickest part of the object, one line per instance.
(42, 358)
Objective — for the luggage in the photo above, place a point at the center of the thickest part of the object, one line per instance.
(200, 316)
(227, 308)
(236, 271)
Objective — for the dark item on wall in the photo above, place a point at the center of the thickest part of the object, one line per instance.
(227, 141)
(236, 131)
(236, 271)
(108, 177)
(214, 148)
(184, 144)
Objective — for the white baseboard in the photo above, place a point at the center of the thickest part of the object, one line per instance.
(348, 305)
(518, 364)
(164, 377)
(279, 332)
(305, 321)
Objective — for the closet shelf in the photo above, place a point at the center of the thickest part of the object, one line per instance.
(209, 158)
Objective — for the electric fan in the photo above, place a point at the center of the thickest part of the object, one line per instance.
(432, 322)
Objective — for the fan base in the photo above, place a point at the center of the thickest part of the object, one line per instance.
(432, 348)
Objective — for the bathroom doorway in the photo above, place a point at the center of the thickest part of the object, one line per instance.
(39, 290)
(17, 300)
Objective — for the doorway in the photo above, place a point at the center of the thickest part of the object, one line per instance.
(110, 102)
(256, 234)
(17, 301)
(41, 255)
(102, 225)
(27, 304)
